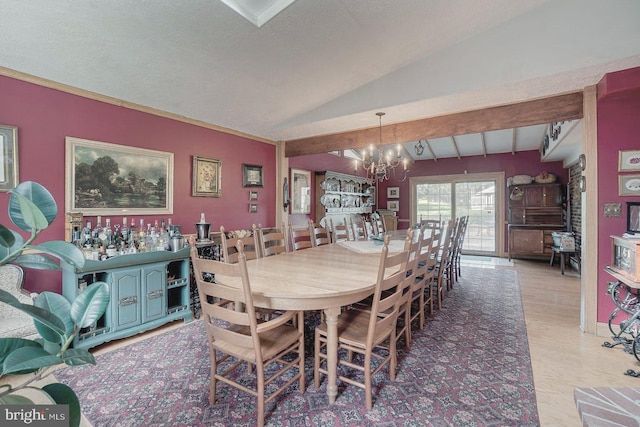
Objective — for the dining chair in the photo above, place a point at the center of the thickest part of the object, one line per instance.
(431, 260)
(358, 229)
(403, 328)
(250, 242)
(432, 223)
(238, 338)
(457, 253)
(339, 232)
(300, 238)
(423, 276)
(442, 270)
(366, 332)
(319, 235)
(378, 224)
(273, 241)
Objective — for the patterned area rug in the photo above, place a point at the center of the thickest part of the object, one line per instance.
(470, 366)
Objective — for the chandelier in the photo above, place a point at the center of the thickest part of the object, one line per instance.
(385, 163)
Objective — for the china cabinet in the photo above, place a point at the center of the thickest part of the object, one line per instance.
(535, 212)
(147, 290)
(340, 195)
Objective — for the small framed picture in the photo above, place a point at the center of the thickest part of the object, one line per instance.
(253, 207)
(253, 195)
(393, 205)
(393, 192)
(251, 176)
(629, 160)
(629, 185)
(207, 177)
(8, 157)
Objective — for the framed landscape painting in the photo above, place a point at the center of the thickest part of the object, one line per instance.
(111, 179)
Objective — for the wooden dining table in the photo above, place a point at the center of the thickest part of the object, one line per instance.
(326, 277)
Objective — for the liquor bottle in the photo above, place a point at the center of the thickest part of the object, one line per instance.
(109, 239)
(123, 244)
(95, 233)
(86, 235)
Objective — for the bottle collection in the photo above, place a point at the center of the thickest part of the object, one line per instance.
(102, 242)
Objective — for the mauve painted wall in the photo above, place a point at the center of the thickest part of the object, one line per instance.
(44, 118)
(618, 129)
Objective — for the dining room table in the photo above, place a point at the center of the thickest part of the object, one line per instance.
(326, 278)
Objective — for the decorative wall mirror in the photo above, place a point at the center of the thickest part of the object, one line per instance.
(300, 191)
(633, 217)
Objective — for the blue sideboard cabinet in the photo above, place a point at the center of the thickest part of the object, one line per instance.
(147, 290)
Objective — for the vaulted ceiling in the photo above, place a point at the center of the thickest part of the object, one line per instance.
(318, 70)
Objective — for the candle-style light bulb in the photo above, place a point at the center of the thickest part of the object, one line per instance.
(404, 163)
(202, 220)
(399, 149)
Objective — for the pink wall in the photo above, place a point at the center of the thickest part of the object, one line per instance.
(618, 129)
(44, 118)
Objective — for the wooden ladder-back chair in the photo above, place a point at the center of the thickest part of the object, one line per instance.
(442, 268)
(339, 232)
(378, 225)
(273, 241)
(238, 338)
(363, 332)
(412, 246)
(300, 238)
(251, 244)
(358, 229)
(422, 279)
(319, 235)
(453, 247)
(457, 254)
(430, 286)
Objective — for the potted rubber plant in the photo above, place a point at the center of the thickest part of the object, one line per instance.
(23, 362)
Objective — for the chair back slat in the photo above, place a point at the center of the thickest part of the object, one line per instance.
(250, 243)
(320, 235)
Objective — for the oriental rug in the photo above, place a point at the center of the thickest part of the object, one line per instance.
(469, 366)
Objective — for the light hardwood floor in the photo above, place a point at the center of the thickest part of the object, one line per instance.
(562, 357)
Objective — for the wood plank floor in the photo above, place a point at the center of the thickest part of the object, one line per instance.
(562, 357)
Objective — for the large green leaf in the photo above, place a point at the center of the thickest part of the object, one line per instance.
(7, 238)
(14, 399)
(90, 304)
(58, 306)
(39, 212)
(37, 262)
(15, 248)
(78, 356)
(42, 315)
(8, 345)
(64, 251)
(26, 359)
(63, 394)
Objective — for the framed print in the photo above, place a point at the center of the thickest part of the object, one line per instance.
(300, 191)
(253, 207)
(393, 192)
(629, 185)
(253, 195)
(633, 217)
(251, 176)
(629, 160)
(9, 157)
(207, 177)
(111, 179)
(393, 205)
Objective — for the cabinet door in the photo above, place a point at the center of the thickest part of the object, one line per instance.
(552, 195)
(534, 196)
(126, 299)
(517, 215)
(154, 296)
(526, 241)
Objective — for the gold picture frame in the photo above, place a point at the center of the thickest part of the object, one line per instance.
(9, 159)
(300, 191)
(628, 160)
(629, 185)
(207, 177)
(111, 179)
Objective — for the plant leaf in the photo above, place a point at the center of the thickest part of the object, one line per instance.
(14, 399)
(8, 345)
(59, 307)
(64, 251)
(41, 209)
(42, 315)
(37, 262)
(17, 246)
(90, 304)
(27, 359)
(63, 394)
(78, 356)
(7, 238)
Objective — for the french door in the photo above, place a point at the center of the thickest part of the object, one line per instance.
(480, 196)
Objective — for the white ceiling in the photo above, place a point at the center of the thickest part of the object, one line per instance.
(320, 67)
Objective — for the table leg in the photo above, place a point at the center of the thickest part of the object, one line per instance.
(562, 261)
(331, 320)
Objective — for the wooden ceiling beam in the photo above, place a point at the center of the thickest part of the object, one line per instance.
(513, 140)
(455, 147)
(528, 113)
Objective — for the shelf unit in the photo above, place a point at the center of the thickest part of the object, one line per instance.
(147, 290)
(340, 195)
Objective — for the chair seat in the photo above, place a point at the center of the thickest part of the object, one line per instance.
(353, 326)
(271, 343)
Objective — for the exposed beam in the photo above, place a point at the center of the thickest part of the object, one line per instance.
(514, 140)
(527, 113)
(455, 147)
(433, 155)
(484, 144)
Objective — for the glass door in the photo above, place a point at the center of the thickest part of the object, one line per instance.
(476, 195)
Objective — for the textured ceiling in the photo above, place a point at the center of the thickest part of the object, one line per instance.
(321, 67)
